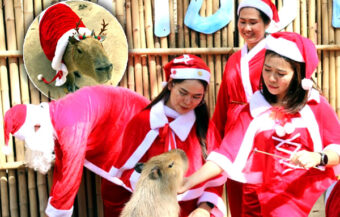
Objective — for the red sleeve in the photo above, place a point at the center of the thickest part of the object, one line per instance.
(70, 154)
(220, 114)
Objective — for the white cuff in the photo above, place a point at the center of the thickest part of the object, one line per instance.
(220, 209)
(53, 212)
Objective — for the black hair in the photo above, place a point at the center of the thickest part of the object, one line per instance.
(266, 20)
(201, 113)
(296, 96)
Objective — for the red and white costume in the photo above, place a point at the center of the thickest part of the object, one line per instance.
(88, 129)
(56, 24)
(159, 129)
(149, 134)
(284, 188)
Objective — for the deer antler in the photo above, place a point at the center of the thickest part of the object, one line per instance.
(77, 26)
(104, 27)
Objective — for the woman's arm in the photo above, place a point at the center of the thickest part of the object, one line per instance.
(207, 171)
(308, 159)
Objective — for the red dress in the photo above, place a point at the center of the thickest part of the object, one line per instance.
(281, 187)
(148, 134)
(88, 127)
(241, 78)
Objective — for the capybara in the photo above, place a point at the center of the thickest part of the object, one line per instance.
(155, 194)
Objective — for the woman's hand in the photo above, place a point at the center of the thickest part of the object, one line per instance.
(306, 159)
(202, 211)
(184, 186)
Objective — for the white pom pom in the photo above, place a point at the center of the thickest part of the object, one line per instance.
(6, 150)
(306, 84)
(280, 131)
(164, 83)
(40, 76)
(289, 128)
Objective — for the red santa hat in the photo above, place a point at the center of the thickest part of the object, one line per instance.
(57, 23)
(297, 48)
(13, 121)
(266, 6)
(187, 66)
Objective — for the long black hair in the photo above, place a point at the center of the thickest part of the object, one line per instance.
(296, 97)
(201, 113)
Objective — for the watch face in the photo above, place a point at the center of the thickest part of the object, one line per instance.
(56, 67)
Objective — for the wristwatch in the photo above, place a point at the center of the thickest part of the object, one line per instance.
(323, 159)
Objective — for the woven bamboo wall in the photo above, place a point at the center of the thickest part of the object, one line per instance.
(25, 192)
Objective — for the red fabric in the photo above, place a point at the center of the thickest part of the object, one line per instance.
(333, 202)
(306, 47)
(13, 120)
(230, 100)
(274, 10)
(89, 125)
(185, 61)
(283, 190)
(133, 138)
(57, 20)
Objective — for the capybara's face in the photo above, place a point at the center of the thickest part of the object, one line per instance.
(90, 58)
(168, 168)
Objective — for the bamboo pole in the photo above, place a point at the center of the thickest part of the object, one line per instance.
(332, 83)
(325, 37)
(130, 67)
(210, 61)
(90, 197)
(154, 88)
(81, 197)
(172, 35)
(22, 97)
(218, 58)
(4, 106)
(137, 44)
(120, 14)
(180, 23)
(312, 27)
(100, 209)
(15, 96)
(186, 29)
(37, 7)
(145, 71)
(303, 23)
(319, 41)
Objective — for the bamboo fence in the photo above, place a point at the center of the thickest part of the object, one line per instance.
(24, 192)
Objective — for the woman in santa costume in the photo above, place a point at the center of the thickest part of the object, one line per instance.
(177, 118)
(286, 141)
(84, 128)
(242, 75)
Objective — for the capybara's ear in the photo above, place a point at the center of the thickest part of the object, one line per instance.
(155, 173)
(72, 40)
(139, 167)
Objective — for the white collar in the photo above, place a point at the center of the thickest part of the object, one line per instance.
(182, 124)
(258, 104)
(258, 47)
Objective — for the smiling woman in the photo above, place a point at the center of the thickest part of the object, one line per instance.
(177, 118)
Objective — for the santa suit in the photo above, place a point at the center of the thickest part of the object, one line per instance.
(88, 126)
(282, 187)
(241, 78)
(157, 130)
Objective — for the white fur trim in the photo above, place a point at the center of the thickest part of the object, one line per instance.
(287, 14)
(285, 48)
(256, 4)
(197, 192)
(39, 77)
(190, 73)
(6, 150)
(181, 126)
(60, 50)
(134, 179)
(220, 209)
(52, 211)
(245, 58)
(280, 131)
(307, 84)
(105, 174)
(289, 128)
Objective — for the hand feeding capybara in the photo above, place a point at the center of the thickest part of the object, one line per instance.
(155, 194)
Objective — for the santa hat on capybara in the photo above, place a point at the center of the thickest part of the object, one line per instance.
(56, 24)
